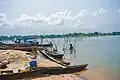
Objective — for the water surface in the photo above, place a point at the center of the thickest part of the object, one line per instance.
(98, 52)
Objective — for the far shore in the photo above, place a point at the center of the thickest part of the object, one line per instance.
(66, 35)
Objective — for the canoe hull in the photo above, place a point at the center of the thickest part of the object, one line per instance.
(41, 72)
(58, 56)
(10, 46)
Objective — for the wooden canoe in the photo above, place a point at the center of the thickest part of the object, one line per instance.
(54, 55)
(58, 61)
(4, 45)
(42, 71)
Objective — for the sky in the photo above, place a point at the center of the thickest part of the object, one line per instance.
(28, 17)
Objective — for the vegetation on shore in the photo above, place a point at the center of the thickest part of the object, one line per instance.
(92, 34)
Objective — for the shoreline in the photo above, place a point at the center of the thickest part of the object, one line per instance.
(7, 38)
(90, 74)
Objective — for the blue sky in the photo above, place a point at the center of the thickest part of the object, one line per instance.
(23, 17)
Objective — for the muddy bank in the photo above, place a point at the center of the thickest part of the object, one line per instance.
(97, 74)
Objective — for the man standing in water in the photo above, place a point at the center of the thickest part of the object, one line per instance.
(70, 52)
(71, 49)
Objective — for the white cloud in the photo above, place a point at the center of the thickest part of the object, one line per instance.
(59, 18)
(78, 21)
(119, 10)
(11, 24)
(99, 12)
(79, 24)
(3, 19)
(31, 19)
(82, 13)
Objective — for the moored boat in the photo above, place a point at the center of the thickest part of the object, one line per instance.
(12, 45)
(54, 54)
(42, 71)
(54, 59)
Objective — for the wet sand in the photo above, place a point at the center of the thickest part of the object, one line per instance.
(59, 77)
(97, 74)
(91, 74)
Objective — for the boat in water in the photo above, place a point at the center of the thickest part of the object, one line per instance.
(54, 53)
(23, 45)
(55, 58)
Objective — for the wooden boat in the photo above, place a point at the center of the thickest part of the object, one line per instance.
(54, 54)
(29, 49)
(57, 60)
(42, 71)
(6, 46)
(23, 47)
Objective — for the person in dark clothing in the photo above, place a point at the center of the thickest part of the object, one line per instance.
(71, 49)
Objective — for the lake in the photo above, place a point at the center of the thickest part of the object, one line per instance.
(97, 52)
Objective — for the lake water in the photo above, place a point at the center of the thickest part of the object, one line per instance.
(97, 52)
(103, 52)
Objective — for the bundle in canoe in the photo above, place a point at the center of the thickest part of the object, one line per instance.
(42, 71)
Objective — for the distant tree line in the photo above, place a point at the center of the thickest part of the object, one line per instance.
(92, 34)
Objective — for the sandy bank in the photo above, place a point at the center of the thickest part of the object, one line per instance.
(19, 59)
(97, 74)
